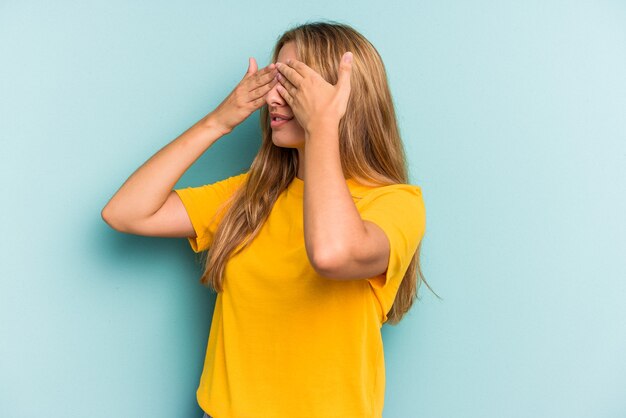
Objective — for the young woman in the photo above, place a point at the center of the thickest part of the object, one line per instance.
(312, 248)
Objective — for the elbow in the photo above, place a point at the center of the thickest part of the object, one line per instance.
(106, 217)
(110, 220)
(327, 261)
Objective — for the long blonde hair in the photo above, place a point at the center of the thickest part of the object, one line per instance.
(370, 146)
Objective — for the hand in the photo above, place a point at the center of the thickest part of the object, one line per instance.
(246, 97)
(313, 100)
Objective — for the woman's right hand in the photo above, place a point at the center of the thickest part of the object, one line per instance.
(246, 98)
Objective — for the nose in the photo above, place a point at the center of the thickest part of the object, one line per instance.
(274, 99)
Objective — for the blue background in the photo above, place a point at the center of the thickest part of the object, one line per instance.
(513, 115)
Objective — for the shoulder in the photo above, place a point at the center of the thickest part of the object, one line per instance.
(236, 179)
(228, 184)
(211, 193)
(399, 192)
(398, 203)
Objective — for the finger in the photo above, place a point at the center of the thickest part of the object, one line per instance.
(287, 84)
(345, 70)
(254, 71)
(271, 67)
(285, 94)
(292, 75)
(301, 67)
(262, 77)
(261, 91)
(252, 66)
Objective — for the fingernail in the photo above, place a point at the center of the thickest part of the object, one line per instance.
(348, 57)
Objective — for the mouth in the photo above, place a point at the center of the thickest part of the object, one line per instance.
(277, 121)
(279, 118)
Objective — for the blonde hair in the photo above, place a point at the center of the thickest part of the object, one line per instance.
(370, 146)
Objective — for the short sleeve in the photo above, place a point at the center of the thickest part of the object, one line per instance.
(203, 205)
(400, 212)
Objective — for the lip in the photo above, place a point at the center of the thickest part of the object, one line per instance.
(276, 124)
(279, 115)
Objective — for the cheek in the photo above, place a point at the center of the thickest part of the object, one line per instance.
(295, 126)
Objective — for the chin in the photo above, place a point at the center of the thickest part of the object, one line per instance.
(286, 142)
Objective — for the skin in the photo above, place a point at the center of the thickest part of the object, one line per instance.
(291, 134)
(146, 203)
(339, 243)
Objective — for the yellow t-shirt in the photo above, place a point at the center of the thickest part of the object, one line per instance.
(286, 342)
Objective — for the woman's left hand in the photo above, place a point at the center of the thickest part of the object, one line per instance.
(314, 101)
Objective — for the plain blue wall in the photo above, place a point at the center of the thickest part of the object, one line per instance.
(513, 115)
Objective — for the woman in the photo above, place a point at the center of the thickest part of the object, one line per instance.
(313, 248)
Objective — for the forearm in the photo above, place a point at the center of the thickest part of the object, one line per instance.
(145, 191)
(332, 223)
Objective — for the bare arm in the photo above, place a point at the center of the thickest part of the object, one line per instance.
(146, 203)
(341, 244)
(149, 188)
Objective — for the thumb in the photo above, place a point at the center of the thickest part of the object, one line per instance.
(345, 69)
(252, 66)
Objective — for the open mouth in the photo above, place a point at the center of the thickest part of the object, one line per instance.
(278, 119)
